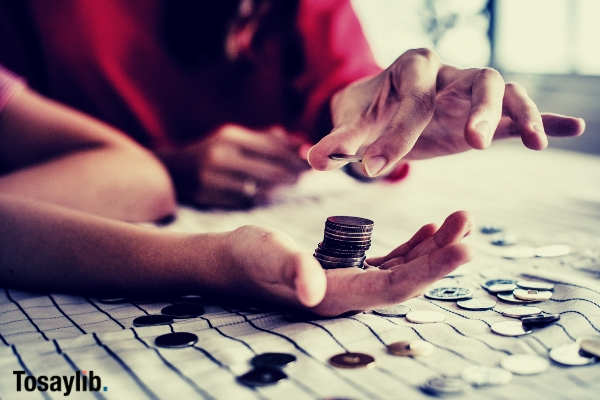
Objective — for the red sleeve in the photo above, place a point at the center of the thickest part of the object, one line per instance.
(336, 53)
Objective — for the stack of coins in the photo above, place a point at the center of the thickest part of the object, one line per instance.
(345, 241)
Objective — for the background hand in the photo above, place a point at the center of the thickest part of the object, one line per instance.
(418, 108)
(267, 265)
(236, 167)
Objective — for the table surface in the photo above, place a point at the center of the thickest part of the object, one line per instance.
(543, 198)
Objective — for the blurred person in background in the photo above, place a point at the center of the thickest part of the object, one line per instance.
(228, 94)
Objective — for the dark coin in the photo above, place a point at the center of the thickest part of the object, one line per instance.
(261, 376)
(191, 298)
(183, 310)
(273, 360)
(345, 222)
(539, 320)
(113, 300)
(152, 320)
(351, 360)
(176, 340)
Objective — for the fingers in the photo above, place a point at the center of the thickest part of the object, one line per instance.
(527, 120)
(400, 251)
(562, 125)
(343, 139)
(410, 99)
(303, 274)
(486, 107)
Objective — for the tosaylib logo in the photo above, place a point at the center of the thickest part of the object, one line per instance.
(80, 382)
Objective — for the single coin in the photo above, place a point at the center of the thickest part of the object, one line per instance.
(569, 355)
(490, 229)
(113, 300)
(532, 294)
(540, 320)
(505, 240)
(346, 157)
(514, 252)
(444, 385)
(590, 346)
(351, 360)
(478, 304)
(520, 311)
(449, 293)
(537, 285)
(273, 360)
(509, 328)
(524, 364)
(393, 311)
(261, 376)
(414, 348)
(345, 220)
(191, 298)
(425, 317)
(555, 250)
(510, 298)
(499, 285)
(152, 320)
(478, 375)
(183, 310)
(176, 340)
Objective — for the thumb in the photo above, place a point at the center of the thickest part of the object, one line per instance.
(345, 139)
(303, 274)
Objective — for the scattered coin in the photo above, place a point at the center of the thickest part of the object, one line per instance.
(499, 285)
(590, 346)
(393, 311)
(505, 240)
(524, 364)
(261, 376)
(113, 300)
(556, 250)
(152, 320)
(532, 294)
(537, 285)
(514, 252)
(509, 328)
(191, 298)
(183, 310)
(539, 320)
(520, 311)
(176, 340)
(478, 304)
(570, 355)
(413, 348)
(351, 360)
(510, 298)
(425, 317)
(444, 385)
(478, 375)
(449, 293)
(490, 229)
(345, 157)
(273, 360)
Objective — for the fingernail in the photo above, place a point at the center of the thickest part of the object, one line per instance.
(483, 128)
(374, 165)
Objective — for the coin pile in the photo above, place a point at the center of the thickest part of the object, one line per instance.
(345, 241)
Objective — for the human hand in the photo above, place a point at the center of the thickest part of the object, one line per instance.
(236, 167)
(266, 265)
(419, 108)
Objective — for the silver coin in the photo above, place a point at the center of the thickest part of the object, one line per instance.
(449, 293)
(499, 285)
(444, 385)
(520, 311)
(478, 375)
(509, 328)
(569, 355)
(425, 317)
(537, 285)
(515, 252)
(479, 304)
(323, 257)
(524, 364)
(392, 311)
(510, 298)
(532, 294)
(345, 157)
(556, 250)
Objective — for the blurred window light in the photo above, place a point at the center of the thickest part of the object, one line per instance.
(547, 36)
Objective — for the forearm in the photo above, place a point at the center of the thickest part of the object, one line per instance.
(45, 247)
(107, 180)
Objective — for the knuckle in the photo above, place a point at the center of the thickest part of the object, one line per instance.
(423, 101)
(515, 87)
(490, 73)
